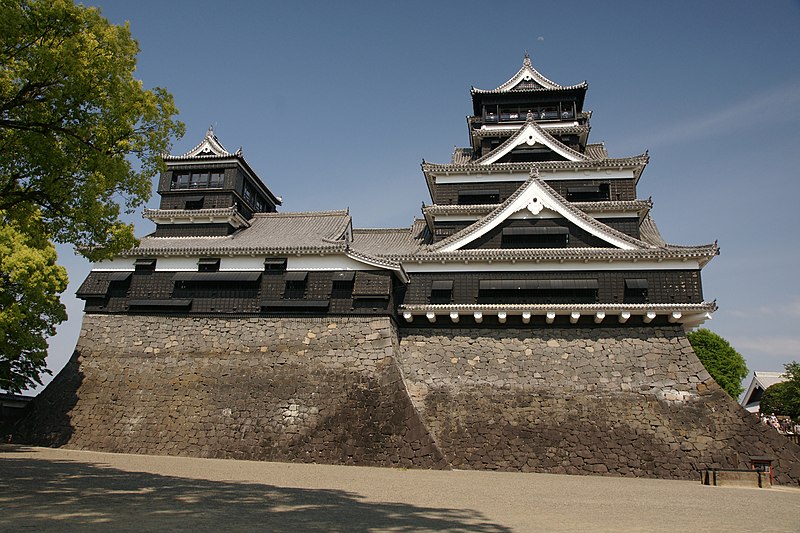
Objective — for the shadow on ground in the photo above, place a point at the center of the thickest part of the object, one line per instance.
(40, 494)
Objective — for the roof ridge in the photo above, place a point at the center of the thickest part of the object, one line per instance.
(290, 214)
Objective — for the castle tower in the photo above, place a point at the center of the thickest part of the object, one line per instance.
(530, 224)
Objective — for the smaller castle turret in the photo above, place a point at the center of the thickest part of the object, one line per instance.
(209, 191)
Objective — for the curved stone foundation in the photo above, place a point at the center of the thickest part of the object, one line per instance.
(630, 402)
(617, 401)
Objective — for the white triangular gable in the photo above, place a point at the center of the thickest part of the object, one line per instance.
(531, 134)
(528, 73)
(536, 197)
(209, 146)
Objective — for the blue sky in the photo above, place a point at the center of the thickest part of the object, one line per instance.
(335, 104)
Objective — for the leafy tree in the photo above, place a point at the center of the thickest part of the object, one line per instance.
(773, 401)
(30, 282)
(71, 114)
(80, 140)
(784, 398)
(725, 364)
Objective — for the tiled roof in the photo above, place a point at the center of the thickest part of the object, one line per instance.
(461, 156)
(649, 232)
(529, 74)
(596, 151)
(389, 241)
(270, 233)
(703, 254)
(611, 162)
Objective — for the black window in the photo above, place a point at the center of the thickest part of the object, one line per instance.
(295, 287)
(441, 292)
(540, 291)
(475, 197)
(208, 264)
(195, 202)
(275, 264)
(636, 291)
(588, 193)
(343, 283)
(535, 237)
(144, 264)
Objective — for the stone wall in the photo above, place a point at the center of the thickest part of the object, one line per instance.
(616, 401)
(307, 390)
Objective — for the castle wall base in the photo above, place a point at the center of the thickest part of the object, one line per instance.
(615, 401)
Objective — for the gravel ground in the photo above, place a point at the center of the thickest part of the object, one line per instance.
(43, 489)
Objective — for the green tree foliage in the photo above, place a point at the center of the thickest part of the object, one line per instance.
(784, 398)
(725, 364)
(774, 400)
(71, 114)
(80, 140)
(30, 283)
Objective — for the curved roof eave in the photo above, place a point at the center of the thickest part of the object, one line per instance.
(528, 73)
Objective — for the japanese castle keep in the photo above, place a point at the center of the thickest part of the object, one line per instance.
(532, 318)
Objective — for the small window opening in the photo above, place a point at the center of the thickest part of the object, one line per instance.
(275, 264)
(636, 291)
(441, 292)
(208, 264)
(588, 193)
(535, 237)
(479, 197)
(295, 287)
(343, 283)
(144, 265)
(195, 202)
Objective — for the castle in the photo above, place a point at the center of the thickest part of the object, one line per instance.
(532, 319)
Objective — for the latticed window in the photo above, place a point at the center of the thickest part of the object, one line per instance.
(197, 179)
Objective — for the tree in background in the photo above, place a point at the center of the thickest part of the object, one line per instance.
(725, 364)
(80, 140)
(784, 398)
(30, 282)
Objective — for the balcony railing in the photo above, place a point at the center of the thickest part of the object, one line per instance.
(538, 115)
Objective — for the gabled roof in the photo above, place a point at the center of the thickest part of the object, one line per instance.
(531, 133)
(525, 74)
(209, 147)
(535, 195)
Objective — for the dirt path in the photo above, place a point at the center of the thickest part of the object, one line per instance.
(63, 490)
